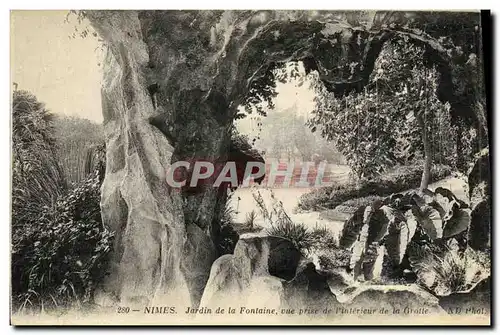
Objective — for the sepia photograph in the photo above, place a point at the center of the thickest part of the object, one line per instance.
(250, 167)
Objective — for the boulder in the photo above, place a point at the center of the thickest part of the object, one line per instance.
(308, 289)
(259, 263)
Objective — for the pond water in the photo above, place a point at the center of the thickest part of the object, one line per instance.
(243, 202)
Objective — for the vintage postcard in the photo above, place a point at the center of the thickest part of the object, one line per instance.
(270, 167)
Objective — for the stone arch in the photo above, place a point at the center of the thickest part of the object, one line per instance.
(201, 64)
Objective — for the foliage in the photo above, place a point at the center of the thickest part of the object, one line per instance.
(399, 179)
(319, 240)
(262, 91)
(32, 128)
(380, 126)
(59, 244)
(37, 178)
(351, 205)
(326, 247)
(227, 237)
(331, 258)
(297, 233)
(323, 238)
(77, 140)
(449, 270)
(281, 224)
(61, 255)
(400, 221)
(284, 134)
(250, 219)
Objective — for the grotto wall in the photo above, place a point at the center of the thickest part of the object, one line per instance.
(191, 70)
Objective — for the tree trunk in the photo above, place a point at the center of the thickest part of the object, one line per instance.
(461, 160)
(426, 174)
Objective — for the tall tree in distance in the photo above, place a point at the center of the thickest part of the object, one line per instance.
(392, 119)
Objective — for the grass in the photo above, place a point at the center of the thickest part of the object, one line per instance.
(250, 219)
(396, 180)
(452, 270)
(300, 236)
(319, 240)
(78, 141)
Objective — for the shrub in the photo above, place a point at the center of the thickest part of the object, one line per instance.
(322, 238)
(59, 245)
(351, 205)
(326, 246)
(333, 258)
(399, 222)
(399, 179)
(61, 256)
(295, 232)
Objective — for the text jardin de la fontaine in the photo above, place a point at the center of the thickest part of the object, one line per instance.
(287, 311)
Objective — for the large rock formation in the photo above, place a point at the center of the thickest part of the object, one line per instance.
(268, 272)
(259, 263)
(479, 232)
(191, 70)
(409, 300)
(476, 300)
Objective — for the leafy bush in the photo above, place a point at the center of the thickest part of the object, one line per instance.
(383, 124)
(59, 245)
(326, 246)
(351, 205)
(333, 258)
(397, 180)
(61, 255)
(295, 232)
(322, 238)
(399, 221)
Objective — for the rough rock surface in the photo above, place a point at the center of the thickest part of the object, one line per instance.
(153, 243)
(477, 299)
(480, 195)
(408, 299)
(194, 68)
(259, 264)
(308, 289)
(244, 279)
